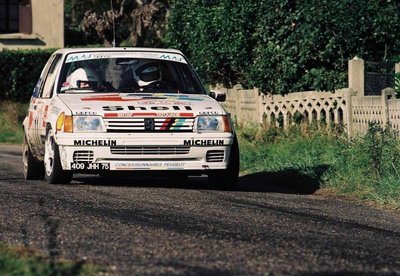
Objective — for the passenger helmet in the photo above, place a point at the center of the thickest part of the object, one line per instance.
(83, 78)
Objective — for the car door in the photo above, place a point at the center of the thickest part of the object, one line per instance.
(42, 103)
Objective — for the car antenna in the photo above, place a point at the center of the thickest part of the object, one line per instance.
(113, 24)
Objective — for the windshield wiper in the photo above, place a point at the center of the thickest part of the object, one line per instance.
(128, 90)
(148, 89)
(88, 90)
(75, 90)
(159, 89)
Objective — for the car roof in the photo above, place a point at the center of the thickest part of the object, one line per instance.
(117, 49)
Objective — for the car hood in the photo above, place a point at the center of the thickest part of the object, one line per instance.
(141, 105)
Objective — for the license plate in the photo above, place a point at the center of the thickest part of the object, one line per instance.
(90, 166)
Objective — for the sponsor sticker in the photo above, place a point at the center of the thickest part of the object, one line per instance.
(145, 114)
(85, 113)
(208, 112)
(104, 55)
(55, 110)
(203, 142)
(150, 166)
(95, 142)
(163, 102)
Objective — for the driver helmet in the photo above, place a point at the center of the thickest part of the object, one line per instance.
(146, 72)
(83, 78)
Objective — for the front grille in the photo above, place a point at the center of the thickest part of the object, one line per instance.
(83, 156)
(149, 150)
(215, 156)
(149, 124)
(124, 125)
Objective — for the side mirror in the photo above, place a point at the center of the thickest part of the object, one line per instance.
(218, 96)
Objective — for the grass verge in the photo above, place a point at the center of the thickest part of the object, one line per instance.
(11, 116)
(363, 168)
(368, 168)
(22, 261)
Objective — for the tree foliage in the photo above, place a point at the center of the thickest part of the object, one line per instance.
(137, 23)
(286, 45)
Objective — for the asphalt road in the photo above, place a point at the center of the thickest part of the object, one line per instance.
(151, 226)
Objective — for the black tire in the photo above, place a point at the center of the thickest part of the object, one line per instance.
(33, 169)
(227, 179)
(53, 169)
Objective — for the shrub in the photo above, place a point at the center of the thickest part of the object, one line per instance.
(283, 46)
(20, 71)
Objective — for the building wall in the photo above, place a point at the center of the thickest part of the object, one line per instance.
(47, 28)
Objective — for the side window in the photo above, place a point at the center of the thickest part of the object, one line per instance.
(50, 76)
(38, 88)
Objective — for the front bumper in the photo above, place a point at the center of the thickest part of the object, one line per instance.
(144, 151)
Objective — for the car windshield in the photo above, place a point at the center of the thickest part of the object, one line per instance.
(128, 72)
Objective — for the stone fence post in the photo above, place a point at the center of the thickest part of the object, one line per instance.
(356, 75)
(238, 96)
(387, 94)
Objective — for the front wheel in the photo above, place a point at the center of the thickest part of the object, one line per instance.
(227, 179)
(53, 169)
(33, 169)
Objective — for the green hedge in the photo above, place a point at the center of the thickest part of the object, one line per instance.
(282, 46)
(20, 71)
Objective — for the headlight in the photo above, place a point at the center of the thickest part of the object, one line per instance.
(213, 124)
(88, 124)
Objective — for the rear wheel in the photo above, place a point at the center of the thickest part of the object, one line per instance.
(33, 169)
(54, 172)
(227, 179)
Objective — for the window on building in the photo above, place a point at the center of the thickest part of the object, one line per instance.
(15, 16)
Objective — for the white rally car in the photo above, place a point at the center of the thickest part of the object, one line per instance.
(106, 110)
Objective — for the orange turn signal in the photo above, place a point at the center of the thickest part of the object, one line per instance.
(64, 123)
(68, 125)
(227, 124)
